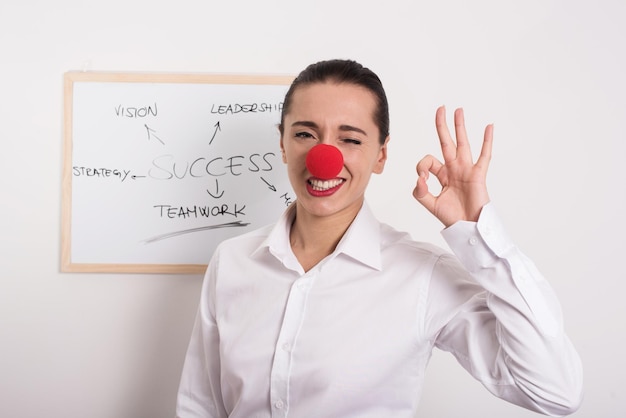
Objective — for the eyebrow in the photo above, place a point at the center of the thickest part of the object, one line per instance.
(313, 125)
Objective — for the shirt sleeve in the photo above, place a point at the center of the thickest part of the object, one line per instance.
(199, 393)
(494, 311)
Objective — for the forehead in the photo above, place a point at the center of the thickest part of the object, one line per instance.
(337, 100)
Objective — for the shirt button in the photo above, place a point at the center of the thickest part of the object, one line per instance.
(279, 404)
(473, 241)
(302, 286)
(286, 346)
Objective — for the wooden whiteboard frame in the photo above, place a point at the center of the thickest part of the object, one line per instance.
(66, 228)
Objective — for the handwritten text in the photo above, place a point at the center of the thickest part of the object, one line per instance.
(100, 172)
(234, 108)
(173, 212)
(136, 112)
(166, 167)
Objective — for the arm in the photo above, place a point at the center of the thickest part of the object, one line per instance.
(494, 311)
(199, 394)
(503, 321)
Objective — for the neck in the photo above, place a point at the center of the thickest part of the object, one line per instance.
(314, 237)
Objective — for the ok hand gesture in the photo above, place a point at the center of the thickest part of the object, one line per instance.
(464, 189)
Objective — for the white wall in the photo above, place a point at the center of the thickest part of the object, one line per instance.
(549, 73)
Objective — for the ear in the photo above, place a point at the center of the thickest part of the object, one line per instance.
(282, 150)
(382, 157)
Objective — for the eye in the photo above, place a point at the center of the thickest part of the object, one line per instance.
(352, 141)
(303, 135)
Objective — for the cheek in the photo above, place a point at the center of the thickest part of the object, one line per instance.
(359, 162)
(363, 165)
(295, 161)
(294, 155)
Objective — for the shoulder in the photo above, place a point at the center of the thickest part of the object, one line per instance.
(245, 243)
(398, 248)
(397, 240)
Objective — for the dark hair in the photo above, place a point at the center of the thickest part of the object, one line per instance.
(343, 71)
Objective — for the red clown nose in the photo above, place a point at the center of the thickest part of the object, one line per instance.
(324, 161)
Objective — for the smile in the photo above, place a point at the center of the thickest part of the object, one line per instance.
(323, 185)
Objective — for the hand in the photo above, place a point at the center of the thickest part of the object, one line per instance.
(464, 189)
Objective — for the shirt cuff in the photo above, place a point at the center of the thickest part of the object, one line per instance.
(479, 244)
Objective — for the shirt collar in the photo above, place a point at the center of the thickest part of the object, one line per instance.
(360, 242)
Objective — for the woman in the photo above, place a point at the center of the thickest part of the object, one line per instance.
(329, 313)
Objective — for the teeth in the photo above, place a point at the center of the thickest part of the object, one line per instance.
(321, 185)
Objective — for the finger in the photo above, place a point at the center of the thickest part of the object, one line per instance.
(448, 148)
(485, 151)
(462, 143)
(421, 187)
(428, 164)
(423, 196)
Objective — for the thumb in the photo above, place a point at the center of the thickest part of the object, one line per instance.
(422, 195)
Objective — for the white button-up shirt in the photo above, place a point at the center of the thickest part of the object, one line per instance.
(352, 336)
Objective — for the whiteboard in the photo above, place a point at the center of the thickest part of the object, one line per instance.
(160, 168)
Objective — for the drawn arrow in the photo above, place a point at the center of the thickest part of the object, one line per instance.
(217, 128)
(135, 177)
(236, 224)
(217, 194)
(151, 134)
(270, 186)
